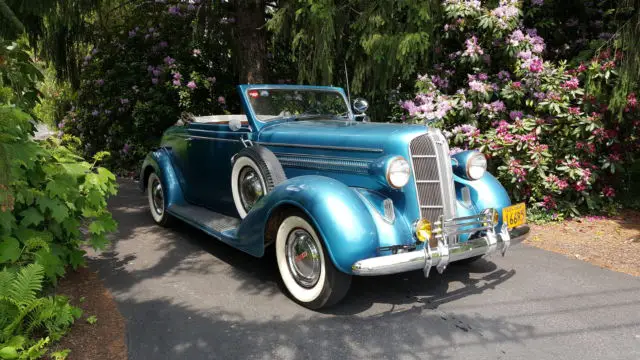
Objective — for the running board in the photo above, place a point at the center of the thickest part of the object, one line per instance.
(210, 221)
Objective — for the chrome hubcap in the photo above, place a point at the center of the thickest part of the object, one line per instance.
(250, 186)
(157, 197)
(303, 258)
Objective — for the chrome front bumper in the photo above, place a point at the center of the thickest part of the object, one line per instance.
(441, 255)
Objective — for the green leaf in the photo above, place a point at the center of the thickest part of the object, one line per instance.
(102, 225)
(51, 263)
(31, 216)
(92, 319)
(76, 258)
(60, 355)
(8, 352)
(9, 250)
(59, 211)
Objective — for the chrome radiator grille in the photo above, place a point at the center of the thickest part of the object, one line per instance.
(425, 167)
(433, 175)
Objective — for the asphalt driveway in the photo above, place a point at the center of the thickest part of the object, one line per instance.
(187, 296)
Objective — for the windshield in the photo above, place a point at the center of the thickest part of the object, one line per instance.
(302, 104)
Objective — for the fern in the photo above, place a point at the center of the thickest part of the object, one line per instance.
(26, 285)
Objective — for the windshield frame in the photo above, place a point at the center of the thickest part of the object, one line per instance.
(244, 90)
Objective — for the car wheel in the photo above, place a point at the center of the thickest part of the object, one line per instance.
(256, 171)
(157, 201)
(305, 267)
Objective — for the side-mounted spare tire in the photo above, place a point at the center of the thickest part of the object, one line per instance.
(256, 171)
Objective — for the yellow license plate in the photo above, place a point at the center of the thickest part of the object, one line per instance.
(514, 215)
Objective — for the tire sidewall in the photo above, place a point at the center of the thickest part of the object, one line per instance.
(315, 296)
(240, 163)
(158, 218)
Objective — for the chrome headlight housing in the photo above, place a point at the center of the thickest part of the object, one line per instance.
(476, 166)
(398, 172)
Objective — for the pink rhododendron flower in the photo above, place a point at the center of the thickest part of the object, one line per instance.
(535, 65)
(221, 100)
(191, 85)
(608, 191)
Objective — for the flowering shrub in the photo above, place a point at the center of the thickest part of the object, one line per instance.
(546, 128)
(137, 82)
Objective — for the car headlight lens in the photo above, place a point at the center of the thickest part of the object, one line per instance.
(476, 166)
(398, 172)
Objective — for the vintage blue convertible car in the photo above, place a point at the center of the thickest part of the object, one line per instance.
(335, 194)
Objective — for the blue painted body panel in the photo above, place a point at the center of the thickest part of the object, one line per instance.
(335, 171)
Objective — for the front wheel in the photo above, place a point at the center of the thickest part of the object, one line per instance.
(157, 201)
(305, 267)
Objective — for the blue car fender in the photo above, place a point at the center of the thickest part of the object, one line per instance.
(486, 192)
(337, 212)
(159, 161)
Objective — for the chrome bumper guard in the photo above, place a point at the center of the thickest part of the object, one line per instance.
(443, 254)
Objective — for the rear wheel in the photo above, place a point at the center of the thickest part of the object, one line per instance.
(305, 267)
(157, 201)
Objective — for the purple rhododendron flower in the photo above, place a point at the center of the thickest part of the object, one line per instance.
(95, 113)
(177, 82)
(124, 101)
(126, 148)
(212, 79)
(156, 72)
(99, 82)
(177, 76)
(88, 58)
(154, 81)
(163, 44)
(472, 48)
(515, 115)
(221, 100)
(191, 85)
(132, 33)
(169, 60)
(174, 10)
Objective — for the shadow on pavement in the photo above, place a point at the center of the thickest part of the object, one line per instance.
(413, 327)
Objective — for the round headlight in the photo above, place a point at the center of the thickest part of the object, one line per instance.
(476, 166)
(398, 172)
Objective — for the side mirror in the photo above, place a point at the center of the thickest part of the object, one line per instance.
(360, 105)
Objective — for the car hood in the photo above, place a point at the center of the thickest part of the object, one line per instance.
(383, 137)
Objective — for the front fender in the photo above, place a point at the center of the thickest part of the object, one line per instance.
(337, 212)
(159, 161)
(486, 192)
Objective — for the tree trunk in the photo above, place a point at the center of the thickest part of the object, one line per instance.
(251, 41)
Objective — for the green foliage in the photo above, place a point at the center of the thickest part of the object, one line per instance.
(92, 319)
(382, 43)
(137, 82)
(47, 194)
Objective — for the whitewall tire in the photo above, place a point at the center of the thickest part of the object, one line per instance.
(157, 200)
(305, 267)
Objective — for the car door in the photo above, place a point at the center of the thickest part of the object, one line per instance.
(210, 149)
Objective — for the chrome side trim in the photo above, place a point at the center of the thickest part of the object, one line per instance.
(439, 256)
(308, 162)
(188, 137)
(323, 147)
